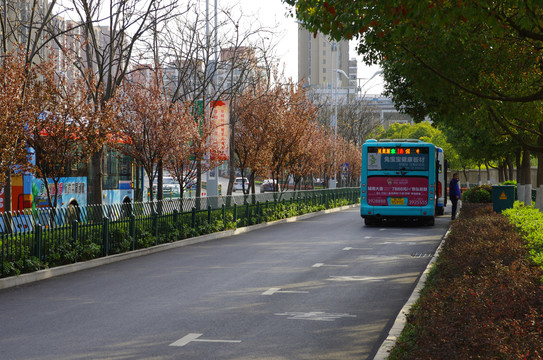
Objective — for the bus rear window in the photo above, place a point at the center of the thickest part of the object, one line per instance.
(398, 158)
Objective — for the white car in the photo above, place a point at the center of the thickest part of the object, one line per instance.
(240, 183)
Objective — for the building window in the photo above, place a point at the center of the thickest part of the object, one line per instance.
(324, 70)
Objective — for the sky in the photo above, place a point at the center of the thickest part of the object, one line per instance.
(271, 12)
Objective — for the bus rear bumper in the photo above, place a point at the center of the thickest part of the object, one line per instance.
(378, 213)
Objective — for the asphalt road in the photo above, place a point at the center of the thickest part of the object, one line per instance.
(322, 288)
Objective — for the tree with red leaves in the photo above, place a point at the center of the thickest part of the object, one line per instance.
(151, 126)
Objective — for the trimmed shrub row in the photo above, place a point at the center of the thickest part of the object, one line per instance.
(483, 298)
(529, 222)
(39, 249)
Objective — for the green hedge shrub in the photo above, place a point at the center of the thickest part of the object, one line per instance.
(529, 222)
(478, 194)
(483, 299)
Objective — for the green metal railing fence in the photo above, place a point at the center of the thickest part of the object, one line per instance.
(35, 239)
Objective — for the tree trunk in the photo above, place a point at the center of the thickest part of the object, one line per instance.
(510, 168)
(540, 159)
(525, 168)
(518, 163)
(160, 181)
(7, 193)
(7, 204)
(198, 183)
(95, 185)
(539, 169)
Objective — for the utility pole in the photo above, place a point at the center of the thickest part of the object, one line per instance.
(212, 174)
(333, 181)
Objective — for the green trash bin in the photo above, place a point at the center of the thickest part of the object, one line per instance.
(503, 197)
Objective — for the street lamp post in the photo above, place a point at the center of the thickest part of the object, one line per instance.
(378, 72)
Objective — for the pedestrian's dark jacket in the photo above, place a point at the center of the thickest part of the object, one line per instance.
(454, 190)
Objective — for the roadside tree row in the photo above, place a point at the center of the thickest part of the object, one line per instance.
(278, 136)
(50, 127)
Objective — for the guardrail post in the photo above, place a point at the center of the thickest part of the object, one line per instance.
(193, 218)
(37, 241)
(105, 237)
(258, 212)
(223, 208)
(154, 215)
(132, 229)
(247, 214)
(75, 227)
(235, 213)
(2, 244)
(209, 214)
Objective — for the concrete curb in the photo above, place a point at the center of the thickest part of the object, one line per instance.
(71, 268)
(401, 319)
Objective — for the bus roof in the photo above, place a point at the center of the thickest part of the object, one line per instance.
(417, 141)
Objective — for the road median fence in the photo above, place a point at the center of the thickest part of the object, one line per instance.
(45, 238)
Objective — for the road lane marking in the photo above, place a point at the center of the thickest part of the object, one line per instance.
(399, 243)
(354, 278)
(194, 337)
(326, 265)
(352, 248)
(314, 316)
(272, 291)
(422, 255)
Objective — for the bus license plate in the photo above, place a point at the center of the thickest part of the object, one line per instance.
(396, 201)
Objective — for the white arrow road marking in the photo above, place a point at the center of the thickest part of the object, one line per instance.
(325, 265)
(315, 316)
(272, 291)
(194, 338)
(351, 248)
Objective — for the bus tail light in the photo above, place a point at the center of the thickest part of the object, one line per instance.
(439, 189)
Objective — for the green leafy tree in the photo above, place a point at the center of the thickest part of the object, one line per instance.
(442, 59)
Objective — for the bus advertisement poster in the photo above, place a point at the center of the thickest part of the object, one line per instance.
(382, 189)
(70, 190)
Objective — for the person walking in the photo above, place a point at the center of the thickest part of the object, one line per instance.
(454, 194)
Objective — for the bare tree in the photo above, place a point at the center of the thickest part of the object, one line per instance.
(151, 125)
(108, 33)
(23, 43)
(357, 119)
(204, 71)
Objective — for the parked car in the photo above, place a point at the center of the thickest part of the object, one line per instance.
(269, 185)
(240, 183)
